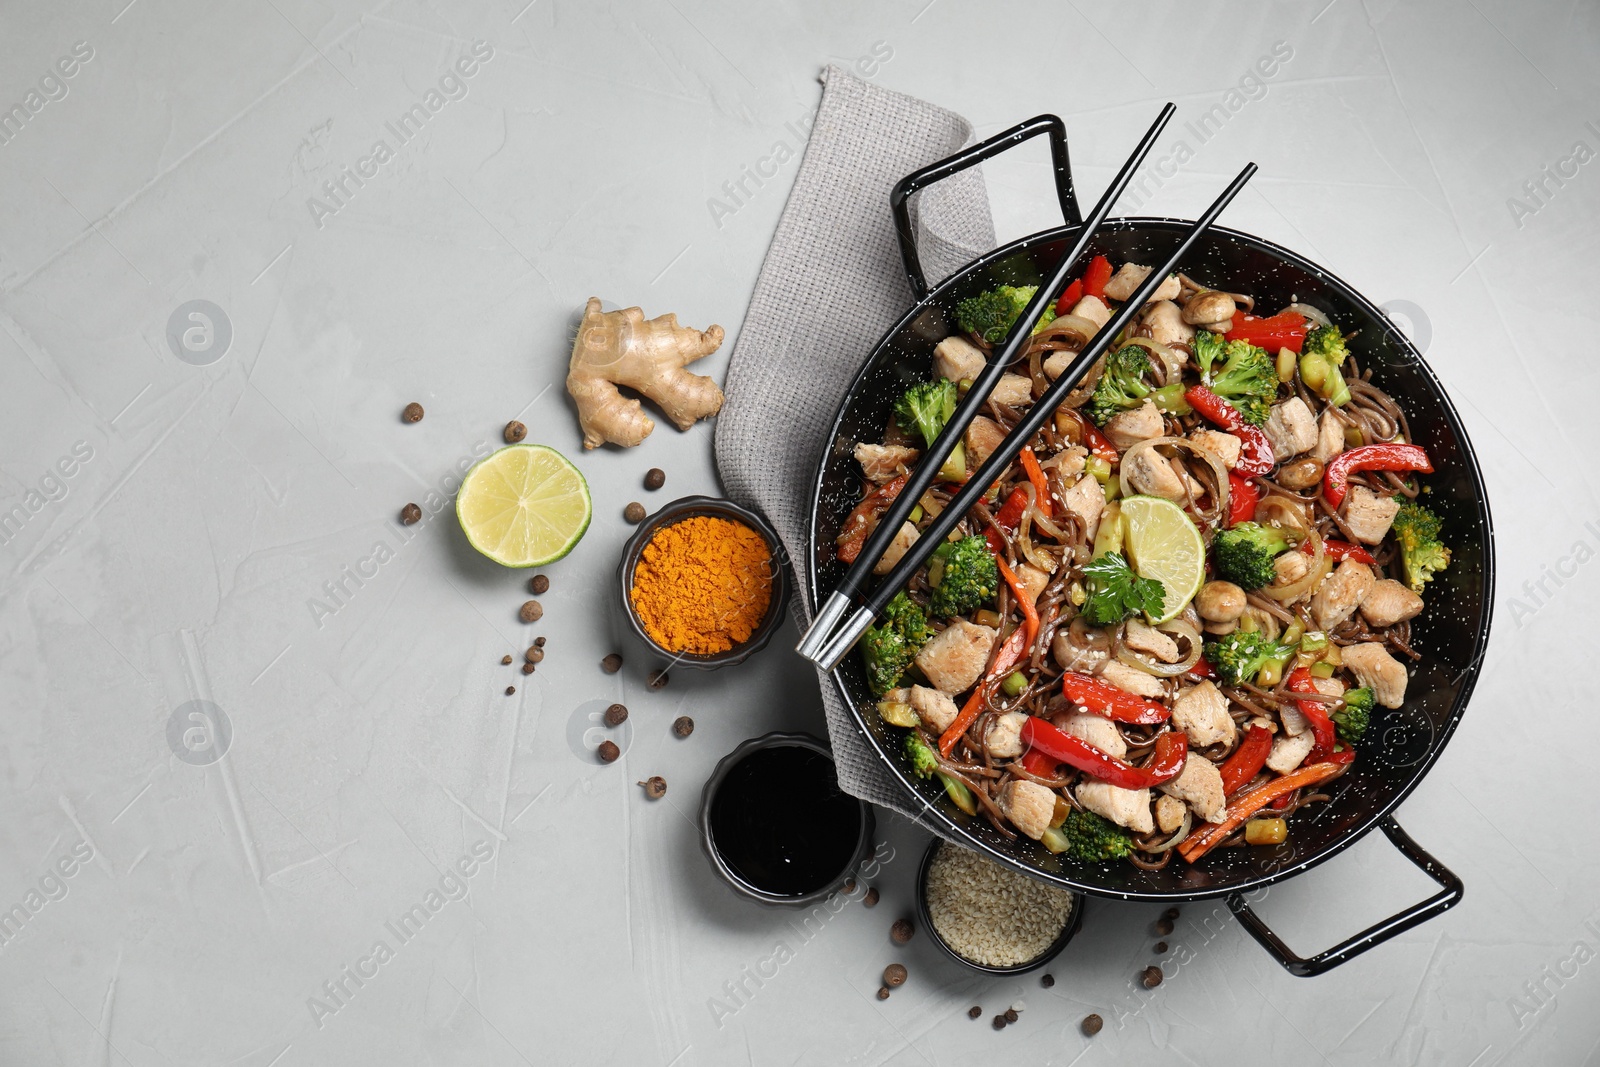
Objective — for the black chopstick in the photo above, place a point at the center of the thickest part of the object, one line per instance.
(917, 482)
(1044, 408)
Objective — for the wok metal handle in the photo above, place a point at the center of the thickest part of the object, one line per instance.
(911, 183)
(1449, 896)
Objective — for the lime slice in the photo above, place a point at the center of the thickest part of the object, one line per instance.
(524, 506)
(1165, 545)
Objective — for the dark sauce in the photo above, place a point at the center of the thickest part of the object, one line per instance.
(780, 823)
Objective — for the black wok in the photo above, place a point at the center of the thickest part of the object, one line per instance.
(1452, 635)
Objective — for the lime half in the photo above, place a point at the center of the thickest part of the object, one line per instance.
(1165, 545)
(524, 506)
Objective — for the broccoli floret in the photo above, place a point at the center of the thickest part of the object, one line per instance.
(1422, 555)
(1327, 343)
(963, 575)
(1321, 356)
(1093, 839)
(1238, 656)
(1245, 553)
(1121, 386)
(925, 408)
(990, 315)
(924, 761)
(887, 649)
(1350, 722)
(1239, 372)
(1116, 591)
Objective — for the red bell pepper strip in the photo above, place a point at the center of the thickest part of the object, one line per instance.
(1041, 488)
(1336, 482)
(1243, 496)
(1040, 765)
(1172, 748)
(1255, 453)
(1011, 653)
(858, 524)
(1210, 836)
(1321, 726)
(1202, 669)
(1286, 329)
(1009, 515)
(1095, 278)
(1096, 442)
(1070, 298)
(1247, 760)
(1116, 704)
(1339, 550)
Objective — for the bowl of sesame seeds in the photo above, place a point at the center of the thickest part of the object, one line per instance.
(989, 917)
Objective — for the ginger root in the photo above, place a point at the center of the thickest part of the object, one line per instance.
(648, 356)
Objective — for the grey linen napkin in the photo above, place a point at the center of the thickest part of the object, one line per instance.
(832, 284)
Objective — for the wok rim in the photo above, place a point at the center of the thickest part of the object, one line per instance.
(1481, 630)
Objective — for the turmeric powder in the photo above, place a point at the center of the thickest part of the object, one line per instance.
(702, 585)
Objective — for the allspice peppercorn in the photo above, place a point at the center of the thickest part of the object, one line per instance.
(515, 432)
(608, 751)
(532, 611)
(655, 478)
(901, 931)
(634, 513)
(411, 514)
(1150, 976)
(683, 726)
(616, 715)
(538, 584)
(655, 787)
(412, 412)
(611, 664)
(894, 975)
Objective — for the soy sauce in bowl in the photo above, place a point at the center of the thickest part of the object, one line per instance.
(776, 824)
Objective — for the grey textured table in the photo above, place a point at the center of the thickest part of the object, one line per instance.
(220, 526)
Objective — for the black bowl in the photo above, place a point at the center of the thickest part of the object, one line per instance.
(1452, 634)
(687, 508)
(1074, 921)
(867, 827)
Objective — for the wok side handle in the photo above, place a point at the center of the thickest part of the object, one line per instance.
(900, 196)
(1448, 897)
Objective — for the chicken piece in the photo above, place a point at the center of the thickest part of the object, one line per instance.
(1132, 275)
(936, 710)
(1374, 668)
(1150, 473)
(903, 540)
(1330, 438)
(1294, 720)
(1224, 446)
(1097, 730)
(882, 463)
(1369, 515)
(953, 659)
(1004, 738)
(1127, 428)
(1390, 602)
(1169, 814)
(1033, 580)
(957, 359)
(1201, 712)
(1141, 638)
(1290, 567)
(1056, 362)
(1086, 499)
(1289, 751)
(1131, 680)
(1164, 320)
(1125, 807)
(1028, 805)
(1073, 658)
(1013, 389)
(1070, 463)
(1292, 429)
(1199, 785)
(1094, 309)
(1339, 594)
(982, 438)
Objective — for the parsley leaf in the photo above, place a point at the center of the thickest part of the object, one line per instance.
(1116, 592)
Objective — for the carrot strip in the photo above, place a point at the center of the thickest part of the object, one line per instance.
(1197, 845)
(1041, 488)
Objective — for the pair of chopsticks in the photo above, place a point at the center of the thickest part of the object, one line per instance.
(826, 642)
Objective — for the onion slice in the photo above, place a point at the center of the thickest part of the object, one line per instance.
(1151, 665)
(1171, 360)
(1295, 590)
(1218, 471)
